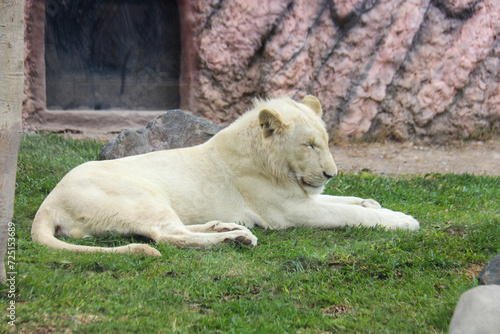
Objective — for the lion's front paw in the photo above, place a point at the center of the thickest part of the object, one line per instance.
(409, 223)
(393, 220)
(404, 222)
(370, 203)
(244, 237)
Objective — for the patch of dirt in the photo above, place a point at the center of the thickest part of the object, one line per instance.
(478, 158)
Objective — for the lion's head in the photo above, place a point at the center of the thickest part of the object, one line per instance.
(295, 141)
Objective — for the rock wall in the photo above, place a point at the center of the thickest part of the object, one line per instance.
(399, 69)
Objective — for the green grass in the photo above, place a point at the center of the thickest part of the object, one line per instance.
(295, 281)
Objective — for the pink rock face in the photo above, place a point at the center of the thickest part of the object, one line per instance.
(403, 69)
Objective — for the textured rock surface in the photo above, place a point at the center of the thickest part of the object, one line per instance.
(173, 129)
(491, 272)
(407, 70)
(477, 311)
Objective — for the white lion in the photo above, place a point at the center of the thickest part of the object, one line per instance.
(267, 169)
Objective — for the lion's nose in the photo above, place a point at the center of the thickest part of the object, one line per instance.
(329, 169)
(328, 176)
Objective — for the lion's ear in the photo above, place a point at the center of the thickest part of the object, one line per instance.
(271, 122)
(313, 103)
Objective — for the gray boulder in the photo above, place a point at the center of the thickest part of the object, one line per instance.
(174, 129)
(491, 273)
(477, 311)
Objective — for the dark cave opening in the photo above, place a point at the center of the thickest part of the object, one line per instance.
(110, 54)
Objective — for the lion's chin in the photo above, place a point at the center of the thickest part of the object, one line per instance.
(311, 188)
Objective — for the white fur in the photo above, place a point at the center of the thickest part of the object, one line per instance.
(267, 169)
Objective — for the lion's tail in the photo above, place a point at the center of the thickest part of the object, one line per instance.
(43, 232)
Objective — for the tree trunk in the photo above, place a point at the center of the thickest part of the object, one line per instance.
(11, 94)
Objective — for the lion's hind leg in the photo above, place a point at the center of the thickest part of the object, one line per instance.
(161, 224)
(242, 235)
(189, 239)
(199, 236)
